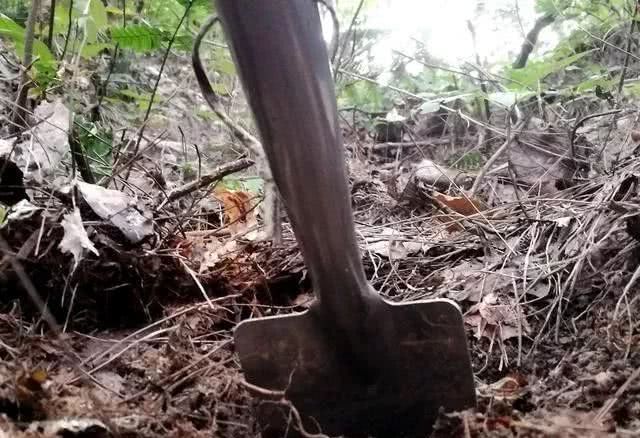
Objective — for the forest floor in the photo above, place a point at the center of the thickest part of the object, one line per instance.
(546, 280)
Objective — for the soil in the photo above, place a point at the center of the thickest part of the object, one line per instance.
(145, 348)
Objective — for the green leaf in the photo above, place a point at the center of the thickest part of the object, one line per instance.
(165, 13)
(591, 83)
(508, 98)
(536, 71)
(15, 33)
(98, 145)
(183, 42)
(61, 19)
(251, 184)
(92, 50)
(114, 11)
(222, 62)
(633, 89)
(138, 37)
(98, 14)
(93, 18)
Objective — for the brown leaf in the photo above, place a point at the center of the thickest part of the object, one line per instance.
(462, 205)
(239, 211)
(510, 387)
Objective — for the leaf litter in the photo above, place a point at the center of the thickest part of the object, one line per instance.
(540, 275)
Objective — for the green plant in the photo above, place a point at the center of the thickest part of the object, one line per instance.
(97, 144)
(253, 185)
(45, 63)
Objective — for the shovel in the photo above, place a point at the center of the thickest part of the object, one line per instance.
(353, 364)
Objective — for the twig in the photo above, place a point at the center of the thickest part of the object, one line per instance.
(103, 88)
(52, 15)
(18, 119)
(511, 135)
(629, 43)
(381, 85)
(217, 174)
(483, 85)
(440, 67)
(580, 122)
(193, 275)
(281, 399)
(338, 60)
(409, 144)
(155, 87)
(66, 39)
(625, 292)
(51, 322)
(609, 403)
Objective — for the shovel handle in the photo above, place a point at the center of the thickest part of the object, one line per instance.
(282, 62)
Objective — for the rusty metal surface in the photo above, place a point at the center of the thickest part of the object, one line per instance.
(353, 364)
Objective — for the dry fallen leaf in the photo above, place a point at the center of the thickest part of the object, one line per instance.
(304, 300)
(393, 244)
(119, 209)
(510, 387)
(47, 144)
(493, 317)
(462, 205)
(239, 210)
(206, 251)
(75, 239)
(563, 221)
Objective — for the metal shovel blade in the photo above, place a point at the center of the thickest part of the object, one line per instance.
(418, 364)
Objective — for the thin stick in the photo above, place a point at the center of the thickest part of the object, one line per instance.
(511, 135)
(609, 404)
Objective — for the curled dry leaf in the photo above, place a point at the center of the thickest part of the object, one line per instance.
(75, 239)
(510, 388)
(462, 205)
(205, 251)
(239, 209)
(493, 318)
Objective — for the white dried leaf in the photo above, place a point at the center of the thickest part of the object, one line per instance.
(22, 210)
(393, 244)
(393, 116)
(563, 221)
(119, 209)
(75, 239)
(42, 151)
(429, 107)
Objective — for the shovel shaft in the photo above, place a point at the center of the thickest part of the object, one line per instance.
(282, 62)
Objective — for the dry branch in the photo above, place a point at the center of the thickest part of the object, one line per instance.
(217, 174)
